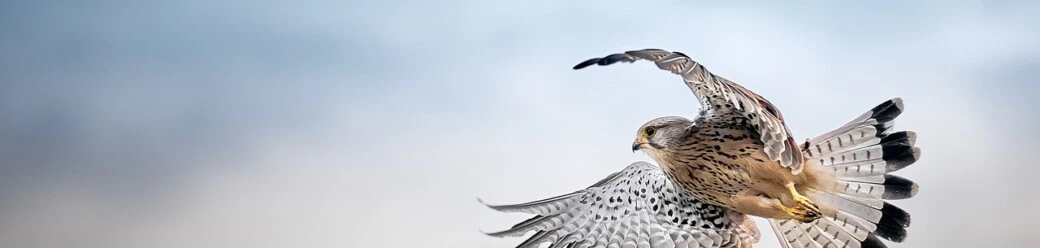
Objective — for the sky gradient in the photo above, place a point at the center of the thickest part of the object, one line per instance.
(377, 124)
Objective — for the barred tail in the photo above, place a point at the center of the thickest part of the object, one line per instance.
(862, 154)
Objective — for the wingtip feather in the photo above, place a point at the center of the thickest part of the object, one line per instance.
(488, 233)
(586, 63)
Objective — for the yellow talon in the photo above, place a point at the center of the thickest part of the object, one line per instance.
(802, 200)
(806, 211)
(801, 213)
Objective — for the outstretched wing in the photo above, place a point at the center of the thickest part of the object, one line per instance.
(719, 95)
(636, 207)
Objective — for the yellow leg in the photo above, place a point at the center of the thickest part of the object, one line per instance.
(762, 206)
(802, 200)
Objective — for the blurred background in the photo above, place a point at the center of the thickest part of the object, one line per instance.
(378, 124)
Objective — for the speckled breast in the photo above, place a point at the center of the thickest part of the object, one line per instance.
(712, 162)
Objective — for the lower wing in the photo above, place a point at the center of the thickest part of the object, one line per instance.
(636, 207)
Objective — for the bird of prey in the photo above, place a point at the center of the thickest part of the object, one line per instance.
(736, 159)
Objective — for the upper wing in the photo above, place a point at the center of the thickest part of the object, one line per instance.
(637, 206)
(718, 95)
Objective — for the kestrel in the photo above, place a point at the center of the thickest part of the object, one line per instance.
(737, 158)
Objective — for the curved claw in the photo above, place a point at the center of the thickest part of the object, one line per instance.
(806, 203)
(801, 200)
(803, 214)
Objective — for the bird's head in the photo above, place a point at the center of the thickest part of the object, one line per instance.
(661, 135)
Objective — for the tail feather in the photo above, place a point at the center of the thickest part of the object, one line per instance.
(854, 222)
(862, 154)
(883, 187)
(893, 223)
(872, 242)
(898, 188)
(842, 231)
(852, 205)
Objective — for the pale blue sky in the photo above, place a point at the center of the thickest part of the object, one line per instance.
(377, 124)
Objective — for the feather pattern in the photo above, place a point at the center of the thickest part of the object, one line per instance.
(861, 154)
(636, 207)
(719, 95)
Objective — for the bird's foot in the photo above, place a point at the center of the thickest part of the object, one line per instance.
(806, 203)
(802, 214)
(801, 200)
(806, 210)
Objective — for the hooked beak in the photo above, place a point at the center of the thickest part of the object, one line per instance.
(636, 146)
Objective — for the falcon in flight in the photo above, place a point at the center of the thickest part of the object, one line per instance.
(734, 160)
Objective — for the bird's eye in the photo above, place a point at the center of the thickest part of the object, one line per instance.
(650, 131)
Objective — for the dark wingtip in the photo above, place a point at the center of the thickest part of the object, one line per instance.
(608, 60)
(614, 58)
(587, 63)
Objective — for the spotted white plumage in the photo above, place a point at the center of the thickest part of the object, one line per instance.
(716, 95)
(636, 207)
